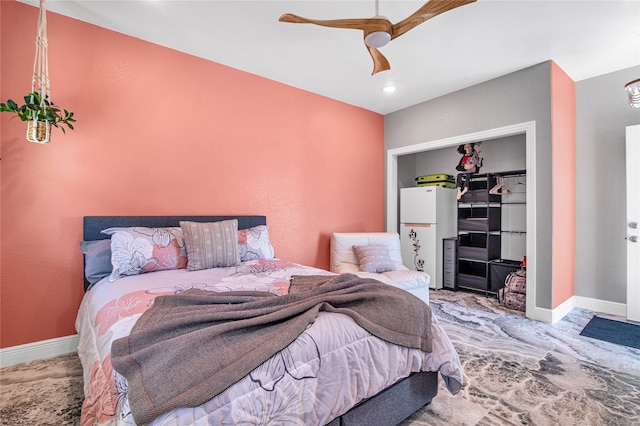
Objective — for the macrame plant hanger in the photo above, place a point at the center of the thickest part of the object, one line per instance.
(39, 131)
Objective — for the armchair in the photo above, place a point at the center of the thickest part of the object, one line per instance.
(343, 259)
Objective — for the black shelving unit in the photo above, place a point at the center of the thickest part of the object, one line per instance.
(479, 241)
(479, 263)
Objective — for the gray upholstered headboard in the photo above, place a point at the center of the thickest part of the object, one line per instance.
(92, 225)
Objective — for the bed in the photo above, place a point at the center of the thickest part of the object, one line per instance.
(323, 377)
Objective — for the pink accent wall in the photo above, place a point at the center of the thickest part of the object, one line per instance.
(563, 154)
(161, 132)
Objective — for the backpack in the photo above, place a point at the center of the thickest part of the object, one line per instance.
(516, 301)
(514, 293)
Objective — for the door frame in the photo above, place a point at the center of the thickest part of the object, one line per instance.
(632, 153)
(529, 130)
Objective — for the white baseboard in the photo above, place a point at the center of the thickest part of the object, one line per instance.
(602, 306)
(38, 350)
(540, 314)
(563, 309)
(596, 305)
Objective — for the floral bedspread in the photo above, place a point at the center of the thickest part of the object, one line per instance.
(303, 384)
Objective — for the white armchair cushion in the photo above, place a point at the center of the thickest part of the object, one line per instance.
(342, 246)
(343, 260)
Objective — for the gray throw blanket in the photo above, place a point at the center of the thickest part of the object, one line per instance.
(189, 347)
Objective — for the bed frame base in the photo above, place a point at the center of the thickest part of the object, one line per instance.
(394, 404)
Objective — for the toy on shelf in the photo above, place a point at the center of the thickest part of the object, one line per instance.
(470, 163)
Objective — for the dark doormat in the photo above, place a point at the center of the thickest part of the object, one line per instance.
(618, 332)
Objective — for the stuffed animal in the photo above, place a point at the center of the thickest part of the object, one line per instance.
(476, 154)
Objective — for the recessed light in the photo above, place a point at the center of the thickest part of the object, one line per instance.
(389, 89)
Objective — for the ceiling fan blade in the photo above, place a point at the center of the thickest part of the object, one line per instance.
(364, 24)
(380, 24)
(427, 11)
(380, 63)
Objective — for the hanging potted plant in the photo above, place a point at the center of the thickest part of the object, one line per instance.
(40, 114)
(38, 110)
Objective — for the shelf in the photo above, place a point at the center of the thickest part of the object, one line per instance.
(479, 219)
(473, 275)
(478, 282)
(488, 225)
(511, 173)
(476, 196)
(471, 281)
(479, 246)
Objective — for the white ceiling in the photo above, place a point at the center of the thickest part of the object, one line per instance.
(460, 48)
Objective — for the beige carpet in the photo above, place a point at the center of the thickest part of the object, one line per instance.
(517, 372)
(45, 392)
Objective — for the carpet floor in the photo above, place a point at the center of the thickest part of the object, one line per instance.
(517, 372)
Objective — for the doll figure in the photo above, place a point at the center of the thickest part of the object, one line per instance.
(469, 164)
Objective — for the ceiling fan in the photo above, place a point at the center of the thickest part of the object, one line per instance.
(378, 31)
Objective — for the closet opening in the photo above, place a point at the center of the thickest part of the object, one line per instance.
(398, 177)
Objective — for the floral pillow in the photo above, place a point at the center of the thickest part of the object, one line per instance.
(138, 250)
(374, 258)
(253, 244)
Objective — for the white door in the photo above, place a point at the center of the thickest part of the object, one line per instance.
(633, 223)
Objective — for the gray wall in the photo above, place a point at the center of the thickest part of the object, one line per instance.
(518, 97)
(602, 113)
(601, 117)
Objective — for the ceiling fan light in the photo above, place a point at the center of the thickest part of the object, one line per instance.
(377, 39)
(633, 93)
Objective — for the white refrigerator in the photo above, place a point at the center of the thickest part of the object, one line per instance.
(427, 216)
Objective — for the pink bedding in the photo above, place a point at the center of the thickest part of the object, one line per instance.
(329, 368)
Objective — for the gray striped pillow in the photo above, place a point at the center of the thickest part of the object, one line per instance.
(211, 244)
(374, 258)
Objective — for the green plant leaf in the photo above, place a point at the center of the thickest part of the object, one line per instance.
(42, 109)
